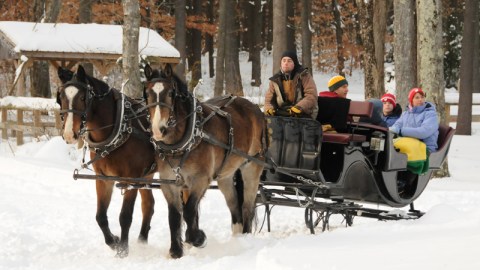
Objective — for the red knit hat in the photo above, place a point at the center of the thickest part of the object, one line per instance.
(413, 92)
(389, 98)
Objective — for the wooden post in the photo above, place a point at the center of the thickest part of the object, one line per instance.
(36, 123)
(4, 120)
(58, 122)
(447, 114)
(19, 123)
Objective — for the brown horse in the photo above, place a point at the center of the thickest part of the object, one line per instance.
(200, 142)
(118, 143)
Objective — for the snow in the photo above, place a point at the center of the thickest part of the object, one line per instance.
(48, 219)
(81, 38)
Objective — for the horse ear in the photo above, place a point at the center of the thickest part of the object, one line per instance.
(168, 71)
(81, 75)
(148, 72)
(64, 74)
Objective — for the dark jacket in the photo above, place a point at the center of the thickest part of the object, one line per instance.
(305, 92)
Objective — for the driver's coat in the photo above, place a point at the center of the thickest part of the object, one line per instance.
(157, 121)
(68, 135)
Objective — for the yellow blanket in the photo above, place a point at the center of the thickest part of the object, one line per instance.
(416, 151)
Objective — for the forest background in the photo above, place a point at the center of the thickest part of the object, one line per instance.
(331, 36)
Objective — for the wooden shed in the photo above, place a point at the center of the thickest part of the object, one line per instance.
(63, 44)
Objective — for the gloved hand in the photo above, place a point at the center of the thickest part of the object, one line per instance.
(270, 111)
(295, 111)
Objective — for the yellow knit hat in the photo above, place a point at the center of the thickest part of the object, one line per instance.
(335, 82)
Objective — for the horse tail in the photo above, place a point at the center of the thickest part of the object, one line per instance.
(238, 182)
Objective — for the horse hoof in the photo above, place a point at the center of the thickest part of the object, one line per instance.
(122, 253)
(142, 240)
(176, 254)
(199, 241)
(113, 244)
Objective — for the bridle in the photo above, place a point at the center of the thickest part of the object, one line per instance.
(89, 96)
(192, 131)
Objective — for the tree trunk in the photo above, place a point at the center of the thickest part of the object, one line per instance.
(132, 85)
(257, 45)
(39, 73)
(195, 63)
(180, 36)
(379, 30)
(85, 16)
(233, 79)
(404, 51)
(470, 31)
(430, 59)
(337, 22)
(220, 63)
(279, 33)
(290, 24)
(368, 56)
(209, 44)
(268, 31)
(306, 34)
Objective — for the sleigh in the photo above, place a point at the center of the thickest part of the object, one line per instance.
(337, 173)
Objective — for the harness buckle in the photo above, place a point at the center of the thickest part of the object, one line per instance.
(104, 153)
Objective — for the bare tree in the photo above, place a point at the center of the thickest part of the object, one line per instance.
(379, 30)
(257, 44)
(430, 58)
(337, 22)
(220, 63)
(405, 48)
(132, 85)
(470, 33)
(365, 10)
(209, 43)
(180, 36)
(85, 16)
(233, 79)
(306, 34)
(194, 44)
(279, 32)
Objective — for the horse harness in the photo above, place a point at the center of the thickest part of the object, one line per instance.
(123, 128)
(196, 134)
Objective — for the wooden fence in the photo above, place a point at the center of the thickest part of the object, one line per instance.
(25, 120)
(31, 119)
(453, 117)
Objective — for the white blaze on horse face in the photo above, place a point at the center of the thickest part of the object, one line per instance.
(68, 134)
(157, 121)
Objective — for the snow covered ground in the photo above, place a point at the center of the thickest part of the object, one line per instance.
(47, 220)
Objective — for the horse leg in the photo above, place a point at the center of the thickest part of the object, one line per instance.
(104, 196)
(251, 178)
(126, 221)
(228, 190)
(148, 202)
(193, 234)
(174, 201)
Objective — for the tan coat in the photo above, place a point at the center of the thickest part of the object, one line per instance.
(305, 93)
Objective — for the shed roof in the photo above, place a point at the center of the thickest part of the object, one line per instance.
(63, 41)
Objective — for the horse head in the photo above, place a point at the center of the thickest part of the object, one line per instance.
(161, 91)
(74, 98)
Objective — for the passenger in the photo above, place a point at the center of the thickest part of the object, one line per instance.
(292, 91)
(337, 87)
(419, 120)
(333, 113)
(391, 109)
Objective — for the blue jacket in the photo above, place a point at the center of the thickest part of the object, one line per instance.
(393, 117)
(419, 122)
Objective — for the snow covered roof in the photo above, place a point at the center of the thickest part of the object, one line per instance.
(77, 41)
